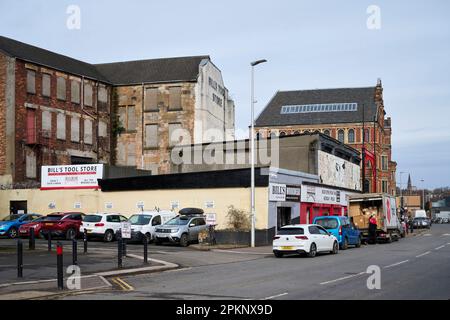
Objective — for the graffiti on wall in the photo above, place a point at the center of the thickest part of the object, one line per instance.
(338, 172)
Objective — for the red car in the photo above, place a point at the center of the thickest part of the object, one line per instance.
(62, 224)
(24, 230)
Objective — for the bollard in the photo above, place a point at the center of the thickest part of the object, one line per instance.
(124, 250)
(59, 265)
(49, 241)
(119, 253)
(145, 250)
(85, 241)
(74, 252)
(19, 259)
(32, 240)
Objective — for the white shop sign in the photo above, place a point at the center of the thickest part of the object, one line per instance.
(313, 194)
(71, 177)
(277, 192)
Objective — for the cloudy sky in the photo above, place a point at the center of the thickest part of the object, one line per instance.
(309, 44)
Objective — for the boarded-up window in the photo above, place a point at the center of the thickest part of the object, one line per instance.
(151, 136)
(131, 154)
(31, 81)
(123, 117)
(46, 123)
(151, 99)
(102, 98)
(75, 91)
(174, 98)
(102, 129)
(131, 118)
(61, 88)
(61, 126)
(75, 129)
(31, 165)
(121, 154)
(87, 131)
(175, 134)
(46, 85)
(88, 94)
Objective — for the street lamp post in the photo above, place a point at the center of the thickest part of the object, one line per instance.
(423, 193)
(253, 213)
(401, 191)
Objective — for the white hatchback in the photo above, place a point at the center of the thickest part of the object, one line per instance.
(102, 225)
(304, 238)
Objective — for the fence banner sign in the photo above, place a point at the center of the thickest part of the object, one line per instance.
(125, 229)
(71, 177)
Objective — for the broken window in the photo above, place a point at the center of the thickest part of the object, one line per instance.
(61, 88)
(151, 136)
(46, 85)
(61, 126)
(31, 81)
(75, 91)
(175, 98)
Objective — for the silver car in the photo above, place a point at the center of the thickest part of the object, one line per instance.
(182, 229)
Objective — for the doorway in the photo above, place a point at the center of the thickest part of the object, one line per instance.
(18, 207)
(283, 217)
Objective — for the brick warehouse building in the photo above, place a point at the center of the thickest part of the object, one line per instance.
(343, 114)
(55, 110)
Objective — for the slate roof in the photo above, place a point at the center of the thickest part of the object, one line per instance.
(119, 73)
(49, 59)
(152, 71)
(271, 115)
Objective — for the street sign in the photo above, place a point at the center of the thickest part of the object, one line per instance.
(125, 228)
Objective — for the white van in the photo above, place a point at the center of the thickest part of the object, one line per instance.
(143, 223)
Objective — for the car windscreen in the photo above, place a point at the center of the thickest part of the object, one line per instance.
(53, 218)
(178, 221)
(140, 219)
(328, 223)
(92, 218)
(290, 231)
(12, 217)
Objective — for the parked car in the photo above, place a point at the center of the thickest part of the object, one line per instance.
(24, 230)
(182, 229)
(341, 227)
(102, 225)
(420, 223)
(10, 225)
(304, 238)
(62, 224)
(143, 224)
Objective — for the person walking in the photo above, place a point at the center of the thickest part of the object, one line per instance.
(411, 224)
(372, 230)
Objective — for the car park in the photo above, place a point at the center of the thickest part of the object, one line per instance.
(102, 225)
(62, 224)
(36, 224)
(341, 227)
(183, 229)
(143, 224)
(10, 225)
(307, 239)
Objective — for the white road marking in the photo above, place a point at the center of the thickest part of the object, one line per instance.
(446, 234)
(427, 235)
(438, 248)
(276, 296)
(343, 278)
(396, 264)
(241, 252)
(423, 254)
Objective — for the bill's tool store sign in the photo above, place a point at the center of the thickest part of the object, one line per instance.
(283, 192)
(71, 177)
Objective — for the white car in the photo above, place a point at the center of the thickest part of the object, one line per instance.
(102, 225)
(143, 224)
(304, 238)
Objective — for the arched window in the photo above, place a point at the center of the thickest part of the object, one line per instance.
(306, 132)
(327, 132)
(341, 135)
(366, 135)
(351, 136)
(258, 135)
(282, 134)
(296, 132)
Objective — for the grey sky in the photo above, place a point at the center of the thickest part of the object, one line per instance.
(309, 44)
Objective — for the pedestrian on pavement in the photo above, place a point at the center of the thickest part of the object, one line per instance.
(372, 230)
(411, 224)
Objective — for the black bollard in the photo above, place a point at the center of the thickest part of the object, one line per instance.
(124, 250)
(85, 241)
(74, 252)
(59, 265)
(145, 249)
(32, 240)
(119, 253)
(19, 259)
(49, 241)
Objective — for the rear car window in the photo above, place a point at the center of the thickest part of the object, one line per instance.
(290, 231)
(92, 218)
(54, 218)
(328, 223)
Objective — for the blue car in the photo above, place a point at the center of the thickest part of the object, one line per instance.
(9, 226)
(341, 227)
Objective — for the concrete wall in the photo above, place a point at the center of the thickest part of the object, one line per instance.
(126, 202)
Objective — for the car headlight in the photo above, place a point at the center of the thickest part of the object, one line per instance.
(174, 230)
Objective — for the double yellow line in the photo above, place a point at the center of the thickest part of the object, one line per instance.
(122, 284)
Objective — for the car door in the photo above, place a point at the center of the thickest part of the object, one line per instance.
(76, 220)
(194, 230)
(316, 237)
(115, 223)
(346, 231)
(327, 239)
(156, 221)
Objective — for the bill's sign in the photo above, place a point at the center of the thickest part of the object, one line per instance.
(71, 177)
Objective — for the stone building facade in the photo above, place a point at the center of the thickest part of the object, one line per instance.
(354, 116)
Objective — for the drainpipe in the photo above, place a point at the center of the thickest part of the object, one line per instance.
(142, 128)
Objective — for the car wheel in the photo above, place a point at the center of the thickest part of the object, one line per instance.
(184, 240)
(345, 244)
(358, 244)
(278, 254)
(335, 248)
(109, 236)
(71, 234)
(312, 250)
(147, 237)
(12, 233)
